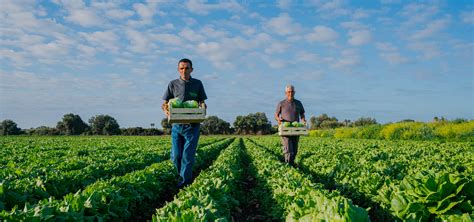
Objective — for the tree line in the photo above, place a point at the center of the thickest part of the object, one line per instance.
(251, 124)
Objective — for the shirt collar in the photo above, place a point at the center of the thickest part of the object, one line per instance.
(184, 81)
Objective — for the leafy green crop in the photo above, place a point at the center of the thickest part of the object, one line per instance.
(427, 195)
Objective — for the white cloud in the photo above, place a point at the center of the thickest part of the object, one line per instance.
(18, 58)
(239, 43)
(389, 53)
(386, 46)
(214, 33)
(303, 56)
(189, 21)
(349, 58)
(275, 63)
(138, 41)
(431, 29)
(216, 53)
(41, 11)
(283, 25)
(22, 40)
(276, 47)
(360, 13)
(359, 37)
(169, 39)
(468, 17)
(419, 13)
(226, 53)
(322, 34)
(86, 51)
(147, 11)
(48, 50)
(284, 4)
(21, 19)
(394, 58)
(119, 14)
(331, 5)
(191, 35)
(84, 17)
(353, 25)
(331, 9)
(202, 8)
(140, 71)
(106, 40)
(429, 50)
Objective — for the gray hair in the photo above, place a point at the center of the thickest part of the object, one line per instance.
(289, 87)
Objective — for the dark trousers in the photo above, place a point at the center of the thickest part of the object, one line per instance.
(290, 148)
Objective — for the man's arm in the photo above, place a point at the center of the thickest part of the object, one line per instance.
(165, 108)
(202, 104)
(277, 118)
(277, 114)
(303, 119)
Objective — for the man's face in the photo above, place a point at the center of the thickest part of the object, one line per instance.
(184, 70)
(290, 93)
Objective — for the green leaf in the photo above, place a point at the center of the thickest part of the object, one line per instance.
(445, 205)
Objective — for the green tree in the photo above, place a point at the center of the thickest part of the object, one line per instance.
(104, 125)
(365, 121)
(215, 125)
(331, 124)
(9, 128)
(71, 124)
(257, 123)
(459, 120)
(317, 122)
(44, 131)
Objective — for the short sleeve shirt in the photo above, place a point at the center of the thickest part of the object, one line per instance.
(191, 89)
(290, 111)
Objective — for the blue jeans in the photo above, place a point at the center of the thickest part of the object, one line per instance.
(184, 143)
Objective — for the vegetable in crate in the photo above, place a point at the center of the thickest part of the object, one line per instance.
(191, 104)
(176, 103)
(287, 124)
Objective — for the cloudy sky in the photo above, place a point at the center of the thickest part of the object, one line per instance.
(389, 60)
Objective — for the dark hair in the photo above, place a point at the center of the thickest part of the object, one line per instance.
(186, 61)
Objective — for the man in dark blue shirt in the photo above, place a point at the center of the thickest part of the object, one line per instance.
(184, 137)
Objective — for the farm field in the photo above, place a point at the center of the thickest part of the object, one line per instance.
(236, 179)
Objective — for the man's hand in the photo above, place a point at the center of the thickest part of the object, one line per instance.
(203, 105)
(165, 108)
(280, 120)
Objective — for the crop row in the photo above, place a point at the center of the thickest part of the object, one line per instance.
(35, 157)
(296, 197)
(76, 172)
(212, 195)
(408, 180)
(284, 193)
(117, 198)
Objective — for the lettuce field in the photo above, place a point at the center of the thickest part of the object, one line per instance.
(236, 179)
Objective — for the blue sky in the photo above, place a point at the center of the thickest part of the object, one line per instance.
(389, 60)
